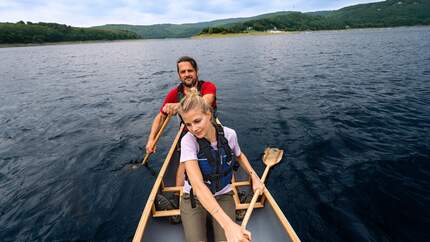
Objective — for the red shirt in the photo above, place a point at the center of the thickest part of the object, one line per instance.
(172, 96)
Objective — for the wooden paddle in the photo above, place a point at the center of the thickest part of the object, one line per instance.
(272, 156)
(157, 137)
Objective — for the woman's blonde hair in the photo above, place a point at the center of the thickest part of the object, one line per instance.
(193, 100)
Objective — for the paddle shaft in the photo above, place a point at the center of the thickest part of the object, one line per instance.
(254, 199)
(157, 137)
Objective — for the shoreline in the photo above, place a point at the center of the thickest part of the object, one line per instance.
(263, 33)
(226, 35)
(63, 43)
(203, 36)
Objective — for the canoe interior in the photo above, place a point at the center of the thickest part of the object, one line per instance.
(264, 224)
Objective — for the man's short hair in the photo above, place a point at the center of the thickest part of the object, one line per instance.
(187, 59)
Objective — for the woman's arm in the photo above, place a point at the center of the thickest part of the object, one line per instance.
(233, 232)
(180, 175)
(256, 182)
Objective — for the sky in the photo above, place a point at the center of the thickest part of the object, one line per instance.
(86, 13)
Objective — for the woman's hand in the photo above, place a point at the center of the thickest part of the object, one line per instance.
(256, 183)
(235, 233)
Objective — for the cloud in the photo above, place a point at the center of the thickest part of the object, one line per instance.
(99, 12)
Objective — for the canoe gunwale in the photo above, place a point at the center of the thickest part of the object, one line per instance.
(138, 236)
(281, 216)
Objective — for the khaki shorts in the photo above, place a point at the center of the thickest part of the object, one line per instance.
(194, 219)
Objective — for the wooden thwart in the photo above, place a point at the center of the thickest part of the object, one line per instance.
(167, 213)
(238, 204)
(179, 190)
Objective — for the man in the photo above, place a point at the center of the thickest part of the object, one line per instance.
(188, 75)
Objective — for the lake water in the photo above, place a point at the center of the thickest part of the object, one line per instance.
(350, 108)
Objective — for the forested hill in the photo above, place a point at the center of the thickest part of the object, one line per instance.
(13, 33)
(380, 14)
(159, 31)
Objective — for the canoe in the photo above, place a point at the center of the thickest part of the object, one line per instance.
(268, 222)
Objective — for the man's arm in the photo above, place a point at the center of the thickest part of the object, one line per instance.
(156, 125)
(209, 98)
(209, 92)
(172, 108)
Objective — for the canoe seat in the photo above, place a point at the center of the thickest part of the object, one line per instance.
(179, 190)
(166, 213)
(239, 205)
(172, 212)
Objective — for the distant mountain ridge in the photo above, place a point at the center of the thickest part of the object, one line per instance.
(156, 31)
(388, 13)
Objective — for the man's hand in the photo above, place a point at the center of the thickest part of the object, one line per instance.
(171, 108)
(150, 147)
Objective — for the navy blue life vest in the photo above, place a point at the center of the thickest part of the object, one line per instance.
(216, 166)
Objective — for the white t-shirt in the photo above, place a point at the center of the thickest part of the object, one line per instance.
(190, 149)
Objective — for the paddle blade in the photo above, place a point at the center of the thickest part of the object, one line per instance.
(272, 156)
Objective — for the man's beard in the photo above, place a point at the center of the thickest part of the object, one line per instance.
(193, 83)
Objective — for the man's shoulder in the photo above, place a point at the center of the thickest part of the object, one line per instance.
(172, 91)
(172, 94)
(208, 87)
(207, 83)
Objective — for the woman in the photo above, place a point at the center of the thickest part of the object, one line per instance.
(207, 151)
